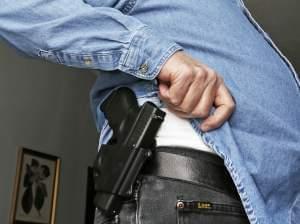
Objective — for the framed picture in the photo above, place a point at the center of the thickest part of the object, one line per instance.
(35, 190)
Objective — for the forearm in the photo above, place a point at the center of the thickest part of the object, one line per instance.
(76, 34)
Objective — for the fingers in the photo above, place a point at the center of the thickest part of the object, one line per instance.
(194, 93)
(190, 89)
(224, 104)
(164, 93)
(215, 93)
(200, 95)
(204, 105)
(178, 87)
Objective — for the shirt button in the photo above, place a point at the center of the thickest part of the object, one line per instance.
(144, 68)
(87, 61)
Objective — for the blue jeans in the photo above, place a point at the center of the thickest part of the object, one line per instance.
(199, 190)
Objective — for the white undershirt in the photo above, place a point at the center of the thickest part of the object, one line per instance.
(176, 131)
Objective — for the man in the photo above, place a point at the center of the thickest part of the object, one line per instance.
(174, 54)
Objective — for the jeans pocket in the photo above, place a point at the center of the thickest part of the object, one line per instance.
(198, 212)
(128, 213)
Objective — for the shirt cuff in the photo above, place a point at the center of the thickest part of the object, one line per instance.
(147, 53)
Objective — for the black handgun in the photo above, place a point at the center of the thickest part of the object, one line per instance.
(119, 161)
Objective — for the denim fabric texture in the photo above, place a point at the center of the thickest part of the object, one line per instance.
(184, 186)
(156, 202)
(130, 40)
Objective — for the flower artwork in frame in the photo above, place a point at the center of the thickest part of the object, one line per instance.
(36, 186)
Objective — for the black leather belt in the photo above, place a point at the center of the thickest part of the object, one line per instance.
(190, 165)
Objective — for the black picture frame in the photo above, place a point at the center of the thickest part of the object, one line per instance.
(35, 192)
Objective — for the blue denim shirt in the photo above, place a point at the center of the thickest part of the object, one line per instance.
(130, 40)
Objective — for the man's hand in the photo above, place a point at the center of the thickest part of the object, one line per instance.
(190, 89)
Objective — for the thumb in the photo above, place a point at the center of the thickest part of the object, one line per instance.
(164, 75)
(164, 91)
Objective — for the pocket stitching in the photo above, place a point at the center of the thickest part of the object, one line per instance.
(215, 210)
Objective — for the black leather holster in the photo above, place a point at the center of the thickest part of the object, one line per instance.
(120, 160)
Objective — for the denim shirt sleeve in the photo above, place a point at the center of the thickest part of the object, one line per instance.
(73, 33)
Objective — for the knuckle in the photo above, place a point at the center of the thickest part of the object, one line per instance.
(203, 113)
(187, 70)
(212, 75)
(187, 75)
(190, 77)
(187, 109)
(231, 106)
(183, 108)
(214, 125)
(211, 71)
(201, 71)
(202, 77)
(175, 100)
(220, 80)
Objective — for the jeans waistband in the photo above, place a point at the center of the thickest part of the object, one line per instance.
(191, 166)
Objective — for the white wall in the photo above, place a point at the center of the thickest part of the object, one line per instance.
(45, 107)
